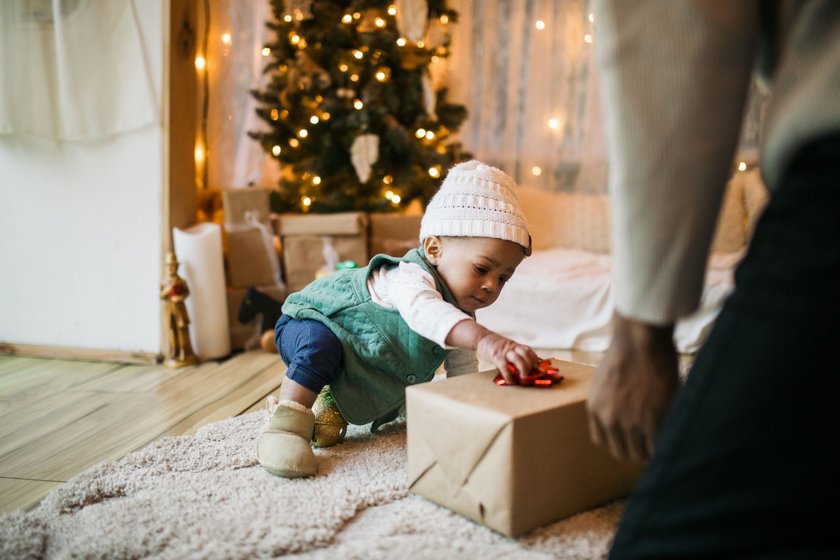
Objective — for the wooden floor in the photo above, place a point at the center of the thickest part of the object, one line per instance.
(58, 418)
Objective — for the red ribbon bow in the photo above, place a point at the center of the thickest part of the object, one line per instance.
(543, 375)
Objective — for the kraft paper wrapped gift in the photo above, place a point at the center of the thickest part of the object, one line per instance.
(251, 258)
(512, 458)
(251, 200)
(305, 238)
(394, 234)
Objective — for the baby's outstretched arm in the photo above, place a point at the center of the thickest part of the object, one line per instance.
(494, 348)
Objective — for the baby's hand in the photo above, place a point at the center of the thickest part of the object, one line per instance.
(500, 351)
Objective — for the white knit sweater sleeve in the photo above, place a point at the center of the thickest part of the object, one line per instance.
(460, 362)
(411, 290)
(674, 78)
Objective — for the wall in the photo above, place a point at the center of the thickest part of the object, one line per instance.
(80, 233)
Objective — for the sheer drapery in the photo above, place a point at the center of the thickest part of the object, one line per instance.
(73, 70)
(524, 70)
(234, 64)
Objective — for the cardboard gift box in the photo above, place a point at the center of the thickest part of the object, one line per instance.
(246, 335)
(512, 458)
(239, 202)
(307, 238)
(251, 258)
(394, 234)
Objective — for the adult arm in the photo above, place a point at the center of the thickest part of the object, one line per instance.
(674, 78)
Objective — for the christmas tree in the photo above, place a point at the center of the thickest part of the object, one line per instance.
(352, 117)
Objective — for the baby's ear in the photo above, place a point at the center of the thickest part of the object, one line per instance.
(433, 246)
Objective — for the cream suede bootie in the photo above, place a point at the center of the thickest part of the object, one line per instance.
(283, 447)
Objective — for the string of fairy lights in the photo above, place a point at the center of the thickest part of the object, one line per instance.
(382, 74)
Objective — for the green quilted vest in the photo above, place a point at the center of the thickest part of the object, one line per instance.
(381, 353)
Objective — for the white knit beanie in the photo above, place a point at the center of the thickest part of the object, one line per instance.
(476, 200)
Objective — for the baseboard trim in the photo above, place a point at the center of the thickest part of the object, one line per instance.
(86, 354)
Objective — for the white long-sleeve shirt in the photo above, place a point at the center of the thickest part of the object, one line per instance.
(411, 291)
(674, 80)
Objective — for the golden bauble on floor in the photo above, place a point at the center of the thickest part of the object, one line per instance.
(330, 425)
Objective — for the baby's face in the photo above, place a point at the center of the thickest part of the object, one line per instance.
(476, 269)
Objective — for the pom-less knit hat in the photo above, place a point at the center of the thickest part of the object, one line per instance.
(476, 200)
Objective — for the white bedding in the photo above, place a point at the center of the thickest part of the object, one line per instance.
(561, 298)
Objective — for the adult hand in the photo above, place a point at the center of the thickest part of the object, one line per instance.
(632, 389)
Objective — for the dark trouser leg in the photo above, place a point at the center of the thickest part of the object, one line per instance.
(748, 463)
(310, 349)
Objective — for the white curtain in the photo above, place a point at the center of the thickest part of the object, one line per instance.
(73, 70)
(236, 34)
(524, 70)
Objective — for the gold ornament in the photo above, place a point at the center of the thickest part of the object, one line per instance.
(330, 425)
(174, 291)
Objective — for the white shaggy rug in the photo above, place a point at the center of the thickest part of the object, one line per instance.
(206, 497)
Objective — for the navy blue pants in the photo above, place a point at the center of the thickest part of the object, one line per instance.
(311, 351)
(748, 462)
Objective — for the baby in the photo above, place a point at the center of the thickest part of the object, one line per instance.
(370, 332)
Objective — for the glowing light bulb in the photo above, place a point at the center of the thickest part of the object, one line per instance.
(421, 132)
(358, 54)
(358, 104)
(303, 133)
(357, 15)
(306, 201)
(401, 42)
(343, 67)
(387, 179)
(354, 77)
(742, 166)
(430, 135)
(396, 199)
(591, 18)
(420, 44)
(316, 180)
(434, 172)
(389, 194)
(294, 39)
(265, 51)
(540, 24)
(587, 38)
(536, 171)
(200, 63)
(380, 76)
(226, 38)
(199, 153)
(294, 142)
(276, 150)
(275, 114)
(554, 123)
(287, 18)
(379, 22)
(347, 18)
(314, 119)
(392, 10)
(444, 19)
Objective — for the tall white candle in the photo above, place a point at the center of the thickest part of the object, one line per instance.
(199, 250)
